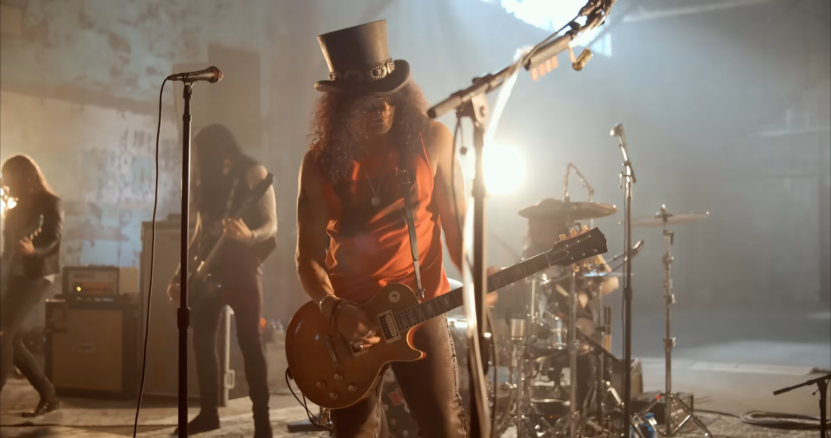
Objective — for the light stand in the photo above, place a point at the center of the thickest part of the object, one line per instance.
(471, 102)
(183, 312)
(669, 397)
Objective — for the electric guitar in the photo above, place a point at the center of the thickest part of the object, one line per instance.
(333, 375)
(12, 258)
(200, 281)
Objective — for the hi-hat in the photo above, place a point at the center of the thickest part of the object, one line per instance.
(664, 217)
(550, 208)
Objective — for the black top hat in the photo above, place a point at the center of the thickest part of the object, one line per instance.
(359, 61)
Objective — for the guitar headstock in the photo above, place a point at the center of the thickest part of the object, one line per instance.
(34, 230)
(579, 246)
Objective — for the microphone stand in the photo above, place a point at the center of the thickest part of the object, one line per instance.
(627, 179)
(183, 312)
(822, 388)
(472, 102)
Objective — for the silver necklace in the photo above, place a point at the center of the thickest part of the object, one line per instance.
(376, 199)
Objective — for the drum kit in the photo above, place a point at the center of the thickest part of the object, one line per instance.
(530, 392)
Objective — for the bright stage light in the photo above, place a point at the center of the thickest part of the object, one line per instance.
(504, 169)
(4, 201)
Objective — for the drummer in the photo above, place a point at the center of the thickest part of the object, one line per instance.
(547, 220)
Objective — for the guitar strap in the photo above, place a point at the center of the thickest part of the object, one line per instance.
(404, 184)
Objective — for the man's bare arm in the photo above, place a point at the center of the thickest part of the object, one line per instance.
(450, 192)
(267, 205)
(312, 219)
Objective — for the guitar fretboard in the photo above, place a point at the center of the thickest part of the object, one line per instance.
(442, 304)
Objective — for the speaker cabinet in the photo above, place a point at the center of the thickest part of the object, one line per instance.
(163, 335)
(91, 348)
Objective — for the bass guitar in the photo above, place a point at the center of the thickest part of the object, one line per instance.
(12, 258)
(200, 281)
(334, 375)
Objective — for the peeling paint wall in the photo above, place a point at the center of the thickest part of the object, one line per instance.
(122, 48)
(102, 163)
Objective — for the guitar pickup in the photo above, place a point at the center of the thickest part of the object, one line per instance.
(386, 321)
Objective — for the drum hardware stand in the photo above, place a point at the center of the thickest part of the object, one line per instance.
(520, 367)
(669, 397)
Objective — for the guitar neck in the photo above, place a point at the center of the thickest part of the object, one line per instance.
(445, 303)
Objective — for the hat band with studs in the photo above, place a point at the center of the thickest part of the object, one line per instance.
(373, 72)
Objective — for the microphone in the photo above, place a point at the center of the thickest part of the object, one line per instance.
(617, 131)
(210, 74)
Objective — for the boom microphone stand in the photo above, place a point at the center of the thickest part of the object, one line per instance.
(472, 102)
(627, 179)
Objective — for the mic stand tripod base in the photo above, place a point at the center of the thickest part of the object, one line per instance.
(672, 399)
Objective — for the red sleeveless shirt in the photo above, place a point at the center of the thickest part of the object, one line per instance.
(370, 245)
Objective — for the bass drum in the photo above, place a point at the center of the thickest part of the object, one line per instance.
(401, 423)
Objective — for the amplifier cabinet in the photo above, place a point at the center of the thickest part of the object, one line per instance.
(91, 348)
(162, 376)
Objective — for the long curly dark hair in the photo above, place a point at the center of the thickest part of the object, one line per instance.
(334, 145)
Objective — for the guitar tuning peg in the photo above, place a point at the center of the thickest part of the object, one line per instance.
(585, 228)
(573, 232)
(576, 267)
(598, 260)
(563, 237)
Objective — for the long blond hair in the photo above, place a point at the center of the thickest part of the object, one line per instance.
(26, 170)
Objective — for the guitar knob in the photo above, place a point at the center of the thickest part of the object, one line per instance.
(338, 377)
(352, 388)
(321, 384)
(333, 395)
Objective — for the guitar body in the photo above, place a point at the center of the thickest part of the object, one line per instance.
(333, 375)
(324, 365)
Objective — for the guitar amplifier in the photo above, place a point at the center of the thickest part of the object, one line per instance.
(161, 378)
(98, 280)
(91, 348)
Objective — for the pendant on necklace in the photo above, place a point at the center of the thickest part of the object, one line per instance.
(376, 201)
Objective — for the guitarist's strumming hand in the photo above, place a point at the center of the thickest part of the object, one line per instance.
(351, 322)
(237, 230)
(25, 246)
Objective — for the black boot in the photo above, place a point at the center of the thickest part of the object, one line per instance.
(204, 422)
(48, 398)
(262, 424)
(44, 407)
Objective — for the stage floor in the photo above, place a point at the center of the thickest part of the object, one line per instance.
(732, 361)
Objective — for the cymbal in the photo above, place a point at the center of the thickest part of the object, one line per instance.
(550, 208)
(658, 219)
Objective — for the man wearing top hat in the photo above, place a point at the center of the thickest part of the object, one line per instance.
(370, 122)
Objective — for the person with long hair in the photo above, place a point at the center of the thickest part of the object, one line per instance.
(31, 247)
(225, 176)
(352, 235)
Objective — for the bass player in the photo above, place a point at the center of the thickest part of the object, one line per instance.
(225, 176)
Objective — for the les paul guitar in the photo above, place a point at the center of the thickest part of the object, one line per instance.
(200, 281)
(12, 258)
(333, 375)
